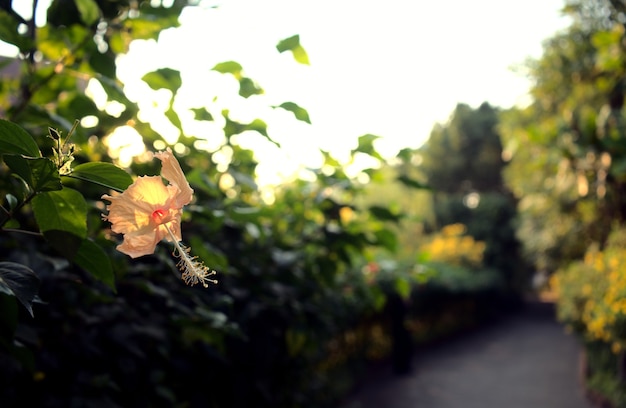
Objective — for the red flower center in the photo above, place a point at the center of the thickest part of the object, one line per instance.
(157, 215)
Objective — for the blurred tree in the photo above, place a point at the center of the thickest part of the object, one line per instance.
(463, 163)
(569, 145)
(465, 155)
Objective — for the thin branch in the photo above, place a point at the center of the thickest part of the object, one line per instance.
(19, 231)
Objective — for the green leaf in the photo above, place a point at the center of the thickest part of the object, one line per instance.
(229, 67)
(64, 210)
(174, 118)
(94, 260)
(89, 11)
(384, 214)
(163, 78)
(105, 174)
(300, 113)
(143, 28)
(65, 243)
(409, 182)
(618, 168)
(11, 201)
(9, 32)
(366, 145)
(103, 63)
(15, 140)
(293, 44)
(402, 285)
(19, 281)
(259, 126)
(386, 239)
(233, 128)
(247, 88)
(41, 174)
(202, 114)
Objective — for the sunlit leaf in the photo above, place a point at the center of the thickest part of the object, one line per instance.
(40, 173)
(15, 140)
(233, 128)
(247, 88)
(19, 281)
(64, 210)
(229, 67)
(166, 78)
(89, 11)
(366, 145)
(143, 28)
(105, 174)
(299, 113)
(174, 118)
(293, 44)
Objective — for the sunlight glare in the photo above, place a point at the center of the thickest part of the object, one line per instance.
(124, 144)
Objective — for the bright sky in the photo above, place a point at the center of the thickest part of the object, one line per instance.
(390, 68)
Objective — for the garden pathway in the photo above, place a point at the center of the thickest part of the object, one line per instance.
(527, 361)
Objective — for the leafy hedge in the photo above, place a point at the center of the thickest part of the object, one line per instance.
(592, 302)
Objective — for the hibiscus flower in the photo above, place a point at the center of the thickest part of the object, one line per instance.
(149, 211)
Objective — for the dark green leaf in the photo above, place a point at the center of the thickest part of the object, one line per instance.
(19, 281)
(293, 44)
(9, 32)
(65, 243)
(618, 168)
(384, 214)
(409, 182)
(105, 174)
(300, 113)
(40, 173)
(163, 78)
(15, 140)
(94, 260)
(64, 210)
(103, 64)
(8, 317)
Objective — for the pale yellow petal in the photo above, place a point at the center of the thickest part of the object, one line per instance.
(136, 245)
(172, 172)
(132, 210)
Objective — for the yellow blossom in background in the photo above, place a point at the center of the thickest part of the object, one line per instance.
(592, 293)
(452, 246)
(150, 211)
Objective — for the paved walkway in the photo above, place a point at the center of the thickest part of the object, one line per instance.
(525, 362)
